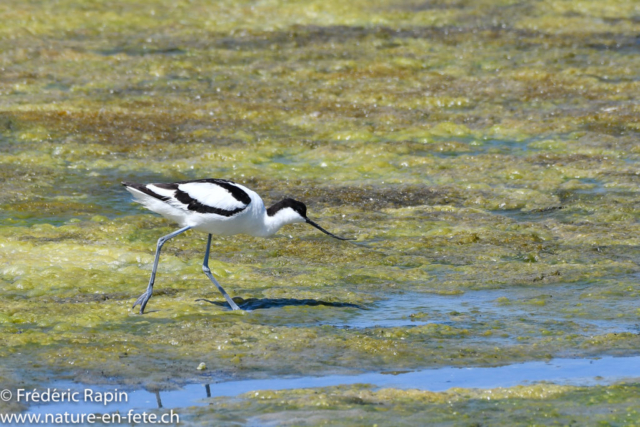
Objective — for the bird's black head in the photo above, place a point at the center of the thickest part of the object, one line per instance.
(297, 206)
(300, 209)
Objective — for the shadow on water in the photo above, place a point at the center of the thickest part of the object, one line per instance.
(264, 303)
(564, 308)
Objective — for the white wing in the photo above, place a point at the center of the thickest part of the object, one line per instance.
(206, 196)
(211, 195)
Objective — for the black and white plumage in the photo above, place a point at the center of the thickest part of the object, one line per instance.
(215, 206)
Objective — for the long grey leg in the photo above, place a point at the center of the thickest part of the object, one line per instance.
(144, 298)
(207, 271)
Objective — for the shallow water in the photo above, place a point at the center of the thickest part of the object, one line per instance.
(411, 309)
(578, 372)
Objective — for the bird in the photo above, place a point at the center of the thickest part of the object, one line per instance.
(214, 206)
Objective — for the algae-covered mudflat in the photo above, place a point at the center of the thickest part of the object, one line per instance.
(484, 154)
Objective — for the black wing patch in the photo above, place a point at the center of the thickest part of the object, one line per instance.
(195, 206)
(191, 204)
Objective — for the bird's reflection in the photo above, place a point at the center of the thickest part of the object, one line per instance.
(207, 389)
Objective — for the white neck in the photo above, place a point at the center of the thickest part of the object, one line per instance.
(271, 224)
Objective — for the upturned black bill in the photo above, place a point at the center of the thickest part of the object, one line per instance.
(325, 231)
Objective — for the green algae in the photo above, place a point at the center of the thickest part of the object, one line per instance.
(468, 146)
(542, 404)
